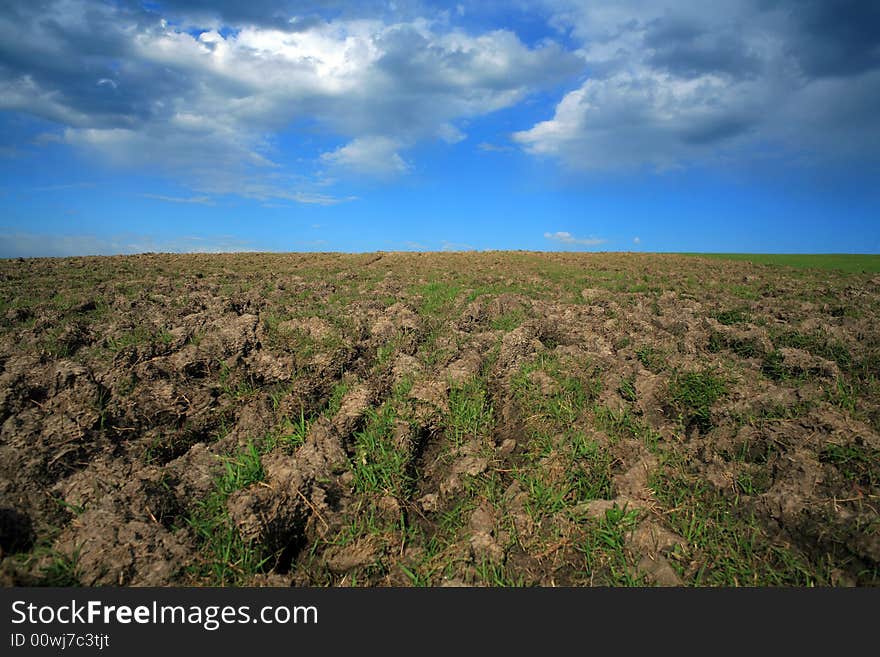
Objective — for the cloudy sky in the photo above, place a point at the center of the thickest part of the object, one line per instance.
(325, 125)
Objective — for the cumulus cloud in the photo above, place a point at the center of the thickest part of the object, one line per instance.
(228, 97)
(371, 156)
(565, 237)
(204, 96)
(637, 240)
(673, 84)
(634, 119)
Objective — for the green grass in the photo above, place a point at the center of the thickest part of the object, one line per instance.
(60, 569)
(724, 543)
(227, 558)
(733, 316)
(857, 463)
(437, 297)
(293, 432)
(587, 475)
(753, 482)
(494, 574)
(852, 263)
(235, 387)
(691, 395)
(742, 347)
(843, 395)
(509, 320)
(624, 423)
(566, 401)
(440, 544)
(133, 336)
(774, 367)
(470, 412)
(653, 359)
(546, 496)
(589, 469)
(379, 466)
(765, 416)
(816, 343)
(605, 552)
(335, 401)
(627, 388)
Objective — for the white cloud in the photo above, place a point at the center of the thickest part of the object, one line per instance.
(644, 118)
(370, 156)
(62, 187)
(450, 134)
(487, 147)
(205, 108)
(319, 199)
(567, 238)
(192, 200)
(673, 84)
(26, 244)
(637, 240)
(446, 245)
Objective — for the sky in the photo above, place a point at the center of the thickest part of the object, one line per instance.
(326, 125)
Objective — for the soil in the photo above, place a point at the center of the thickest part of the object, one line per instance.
(128, 385)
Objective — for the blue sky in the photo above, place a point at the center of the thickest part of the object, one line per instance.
(737, 125)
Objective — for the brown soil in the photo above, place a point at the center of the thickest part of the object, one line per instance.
(131, 386)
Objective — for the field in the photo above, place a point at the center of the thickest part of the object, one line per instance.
(843, 262)
(438, 419)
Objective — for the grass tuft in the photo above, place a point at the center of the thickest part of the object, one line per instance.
(691, 396)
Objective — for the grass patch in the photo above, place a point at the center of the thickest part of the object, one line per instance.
(227, 558)
(653, 359)
(589, 469)
(236, 388)
(857, 463)
(604, 549)
(733, 316)
(437, 297)
(509, 320)
(380, 467)
(624, 424)
(496, 574)
(470, 412)
(817, 344)
(846, 262)
(691, 396)
(724, 545)
(546, 495)
(753, 481)
(59, 569)
(294, 431)
(742, 347)
(627, 388)
(773, 366)
(335, 401)
(567, 397)
(130, 337)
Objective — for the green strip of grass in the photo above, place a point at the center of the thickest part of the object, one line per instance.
(848, 262)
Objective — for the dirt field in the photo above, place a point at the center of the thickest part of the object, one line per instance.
(437, 419)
